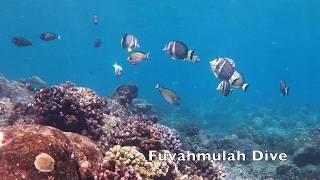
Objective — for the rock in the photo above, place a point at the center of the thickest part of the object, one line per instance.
(307, 156)
(20, 145)
(288, 172)
(125, 93)
(192, 131)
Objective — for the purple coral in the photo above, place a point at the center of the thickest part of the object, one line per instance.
(136, 131)
(70, 108)
(169, 138)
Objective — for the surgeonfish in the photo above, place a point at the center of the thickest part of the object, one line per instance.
(179, 50)
(223, 68)
(284, 89)
(137, 57)
(21, 41)
(224, 88)
(129, 42)
(117, 69)
(238, 81)
(168, 95)
(48, 36)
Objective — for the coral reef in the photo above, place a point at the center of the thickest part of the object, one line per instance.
(62, 132)
(124, 94)
(70, 108)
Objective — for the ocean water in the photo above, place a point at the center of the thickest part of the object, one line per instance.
(269, 41)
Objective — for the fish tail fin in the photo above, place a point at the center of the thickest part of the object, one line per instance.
(157, 86)
(245, 87)
(190, 54)
(59, 36)
(148, 55)
(129, 49)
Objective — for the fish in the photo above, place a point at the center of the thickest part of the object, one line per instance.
(284, 89)
(97, 43)
(37, 81)
(117, 69)
(224, 88)
(137, 57)
(179, 50)
(95, 19)
(48, 36)
(238, 81)
(21, 41)
(129, 42)
(168, 95)
(223, 68)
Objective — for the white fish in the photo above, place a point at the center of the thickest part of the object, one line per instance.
(117, 69)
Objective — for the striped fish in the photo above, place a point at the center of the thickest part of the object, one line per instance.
(129, 42)
(224, 88)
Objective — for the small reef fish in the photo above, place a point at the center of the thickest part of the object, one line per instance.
(224, 88)
(179, 50)
(223, 68)
(284, 89)
(238, 81)
(21, 41)
(117, 69)
(137, 57)
(48, 36)
(129, 42)
(97, 43)
(95, 19)
(168, 95)
(37, 81)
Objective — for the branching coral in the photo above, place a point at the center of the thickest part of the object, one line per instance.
(70, 108)
(137, 133)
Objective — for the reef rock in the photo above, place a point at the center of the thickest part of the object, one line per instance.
(125, 93)
(36, 152)
(17, 91)
(307, 156)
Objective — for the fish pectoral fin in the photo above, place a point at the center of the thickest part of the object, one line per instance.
(129, 49)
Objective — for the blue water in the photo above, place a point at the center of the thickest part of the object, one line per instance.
(269, 40)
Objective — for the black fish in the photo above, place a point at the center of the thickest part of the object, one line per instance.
(48, 36)
(97, 43)
(224, 88)
(21, 41)
(177, 50)
(284, 89)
